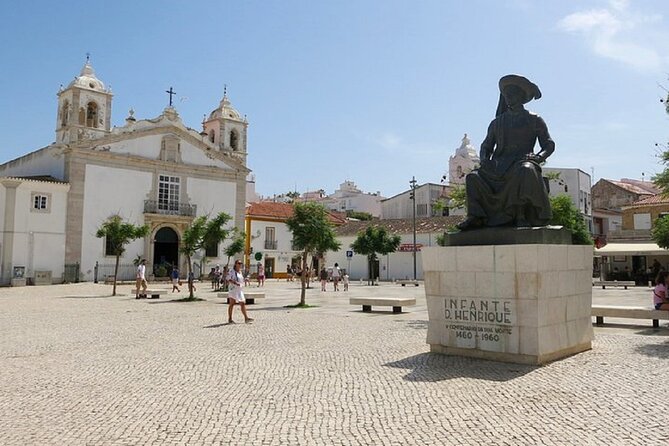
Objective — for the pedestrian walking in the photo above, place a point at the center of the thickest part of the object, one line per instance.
(261, 275)
(336, 275)
(235, 280)
(175, 279)
(345, 281)
(141, 279)
(324, 278)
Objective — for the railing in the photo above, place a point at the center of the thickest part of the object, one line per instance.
(171, 208)
(270, 244)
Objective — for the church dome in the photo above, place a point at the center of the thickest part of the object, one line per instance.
(225, 110)
(87, 79)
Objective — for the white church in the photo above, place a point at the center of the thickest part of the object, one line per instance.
(156, 171)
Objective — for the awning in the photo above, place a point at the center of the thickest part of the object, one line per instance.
(631, 249)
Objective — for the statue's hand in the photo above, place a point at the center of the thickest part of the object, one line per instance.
(536, 158)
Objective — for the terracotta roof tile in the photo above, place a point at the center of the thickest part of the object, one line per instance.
(630, 187)
(282, 212)
(649, 201)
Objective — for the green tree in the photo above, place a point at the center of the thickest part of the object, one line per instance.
(457, 199)
(374, 240)
(567, 215)
(236, 246)
(117, 234)
(312, 233)
(359, 215)
(215, 232)
(660, 232)
(202, 232)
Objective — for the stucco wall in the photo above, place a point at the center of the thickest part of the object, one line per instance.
(37, 241)
(41, 162)
(654, 211)
(111, 191)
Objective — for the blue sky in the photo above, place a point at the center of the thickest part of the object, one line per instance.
(370, 91)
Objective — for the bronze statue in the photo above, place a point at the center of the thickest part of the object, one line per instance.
(508, 188)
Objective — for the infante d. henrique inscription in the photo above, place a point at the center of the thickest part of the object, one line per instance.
(479, 310)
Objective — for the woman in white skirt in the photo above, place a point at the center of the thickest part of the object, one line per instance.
(235, 294)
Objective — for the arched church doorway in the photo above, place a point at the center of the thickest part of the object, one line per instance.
(165, 251)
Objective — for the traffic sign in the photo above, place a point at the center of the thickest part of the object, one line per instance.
(349, 254)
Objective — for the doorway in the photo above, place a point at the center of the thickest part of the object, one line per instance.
(269, 267)
(165, 251)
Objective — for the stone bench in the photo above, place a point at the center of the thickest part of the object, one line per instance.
(408, 282)
(627, 312)
(622, 283)
(396, 302)
(250, 296)
(155, 294)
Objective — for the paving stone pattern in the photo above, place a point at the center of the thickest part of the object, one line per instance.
(79, 367)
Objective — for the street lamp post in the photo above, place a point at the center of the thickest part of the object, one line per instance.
(412, 196)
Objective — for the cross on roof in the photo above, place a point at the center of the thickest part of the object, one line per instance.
(171, 93)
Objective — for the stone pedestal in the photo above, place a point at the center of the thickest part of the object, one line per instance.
(526, 304)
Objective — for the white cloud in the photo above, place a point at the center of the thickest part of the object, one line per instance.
(619, 33)
(388, 141)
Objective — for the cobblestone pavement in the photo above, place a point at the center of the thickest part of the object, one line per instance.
(78, 367)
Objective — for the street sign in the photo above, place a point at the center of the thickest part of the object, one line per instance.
(349, 254)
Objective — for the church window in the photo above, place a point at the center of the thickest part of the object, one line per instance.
(168, 194)
(40, 202)
(82, 116)
(92, 115)
(64, 113)
(421, 210)
(234, 140)
(211, 250)
(212, 136)
(109, 247)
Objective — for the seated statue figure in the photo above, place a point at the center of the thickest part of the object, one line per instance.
(508, 188)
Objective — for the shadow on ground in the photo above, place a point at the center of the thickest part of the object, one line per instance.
(655, 350)
(432, 367)
(91, 297)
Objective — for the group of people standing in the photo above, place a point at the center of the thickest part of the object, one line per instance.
(336, 276)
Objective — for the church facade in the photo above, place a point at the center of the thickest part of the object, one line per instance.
(156, 171)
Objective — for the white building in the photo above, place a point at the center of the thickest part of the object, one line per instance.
(151, 171)
(349, 198)
(32, 227)
(577, 185)
(268, 239)
(401, 206)
(395, 266)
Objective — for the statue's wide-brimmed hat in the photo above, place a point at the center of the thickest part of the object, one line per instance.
(531, 90)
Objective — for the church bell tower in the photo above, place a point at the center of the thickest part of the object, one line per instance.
(84, 108)
(226, 129)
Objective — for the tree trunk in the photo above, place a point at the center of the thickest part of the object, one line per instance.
(303, 293)
(188, 278)
(370, 281)
(115, 276)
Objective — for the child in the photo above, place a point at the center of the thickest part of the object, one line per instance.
(345, 280)
(660, 301)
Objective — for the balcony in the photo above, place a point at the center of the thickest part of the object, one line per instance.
(270, 244)
(172, 208)
(623, 235)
